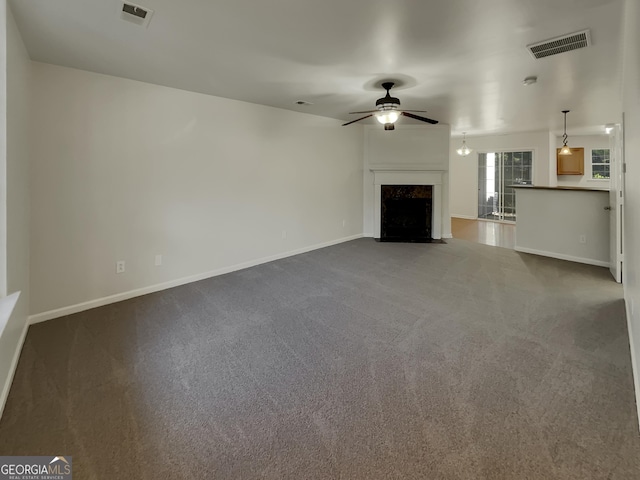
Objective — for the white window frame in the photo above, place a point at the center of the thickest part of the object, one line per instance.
(501, 151)
(591, 164)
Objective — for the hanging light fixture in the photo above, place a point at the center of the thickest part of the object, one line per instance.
(463, 151)
(565, 150)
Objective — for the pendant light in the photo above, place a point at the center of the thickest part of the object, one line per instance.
(565, 150)
(463, 151)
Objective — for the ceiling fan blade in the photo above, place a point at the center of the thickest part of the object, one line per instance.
(368, 111)
(354, 121)
(418, 117)
(422, 111)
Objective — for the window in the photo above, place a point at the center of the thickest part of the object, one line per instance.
(497, 172)
(600, 164)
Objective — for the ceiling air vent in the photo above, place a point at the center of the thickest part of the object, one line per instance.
(135, 13)
(562, 44)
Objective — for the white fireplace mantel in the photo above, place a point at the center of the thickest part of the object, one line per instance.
(410, 177)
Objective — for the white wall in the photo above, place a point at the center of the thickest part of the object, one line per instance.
(18, 82)
(464, 170)
(551, 222)
(631, 106)
(123, 170)
(408, 148)
(16, 173)
(3, 147)
(588, 142)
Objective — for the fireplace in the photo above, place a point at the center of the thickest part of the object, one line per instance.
(406, 213)
(432, 180)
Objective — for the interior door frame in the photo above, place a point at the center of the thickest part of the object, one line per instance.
(616, 201)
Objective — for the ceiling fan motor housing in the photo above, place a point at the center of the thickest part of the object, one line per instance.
(387, 102)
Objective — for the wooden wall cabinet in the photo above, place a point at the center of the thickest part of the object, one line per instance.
(571, 164)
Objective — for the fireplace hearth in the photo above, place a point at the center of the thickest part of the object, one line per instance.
(406, 212)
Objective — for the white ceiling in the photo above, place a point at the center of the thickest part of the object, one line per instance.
(461, 60)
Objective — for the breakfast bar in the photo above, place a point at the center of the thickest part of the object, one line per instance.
(569, 223)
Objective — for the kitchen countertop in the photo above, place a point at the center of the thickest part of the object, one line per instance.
(580, 189)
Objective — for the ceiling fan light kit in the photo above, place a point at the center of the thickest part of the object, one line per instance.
(464, 150)
(565, 150)
(387, 112)
(387, 116)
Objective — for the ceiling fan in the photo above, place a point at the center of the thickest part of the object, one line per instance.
(387, 111)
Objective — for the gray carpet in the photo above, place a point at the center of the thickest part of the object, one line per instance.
(360, 361)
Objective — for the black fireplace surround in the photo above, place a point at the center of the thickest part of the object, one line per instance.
(406, 213)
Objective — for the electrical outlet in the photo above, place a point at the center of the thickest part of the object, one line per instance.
(284, 234)
(344, 223)
(583, 238)
(158, 260)
(120, 266)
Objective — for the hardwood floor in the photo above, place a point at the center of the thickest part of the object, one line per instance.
(481, 231)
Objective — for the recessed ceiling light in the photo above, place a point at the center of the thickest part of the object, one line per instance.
(530, 80)
(303, 102)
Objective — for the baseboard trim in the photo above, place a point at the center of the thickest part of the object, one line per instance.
(467, 217)
(632, 348)
(561, 256)
(99, 302)
(12, 369)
